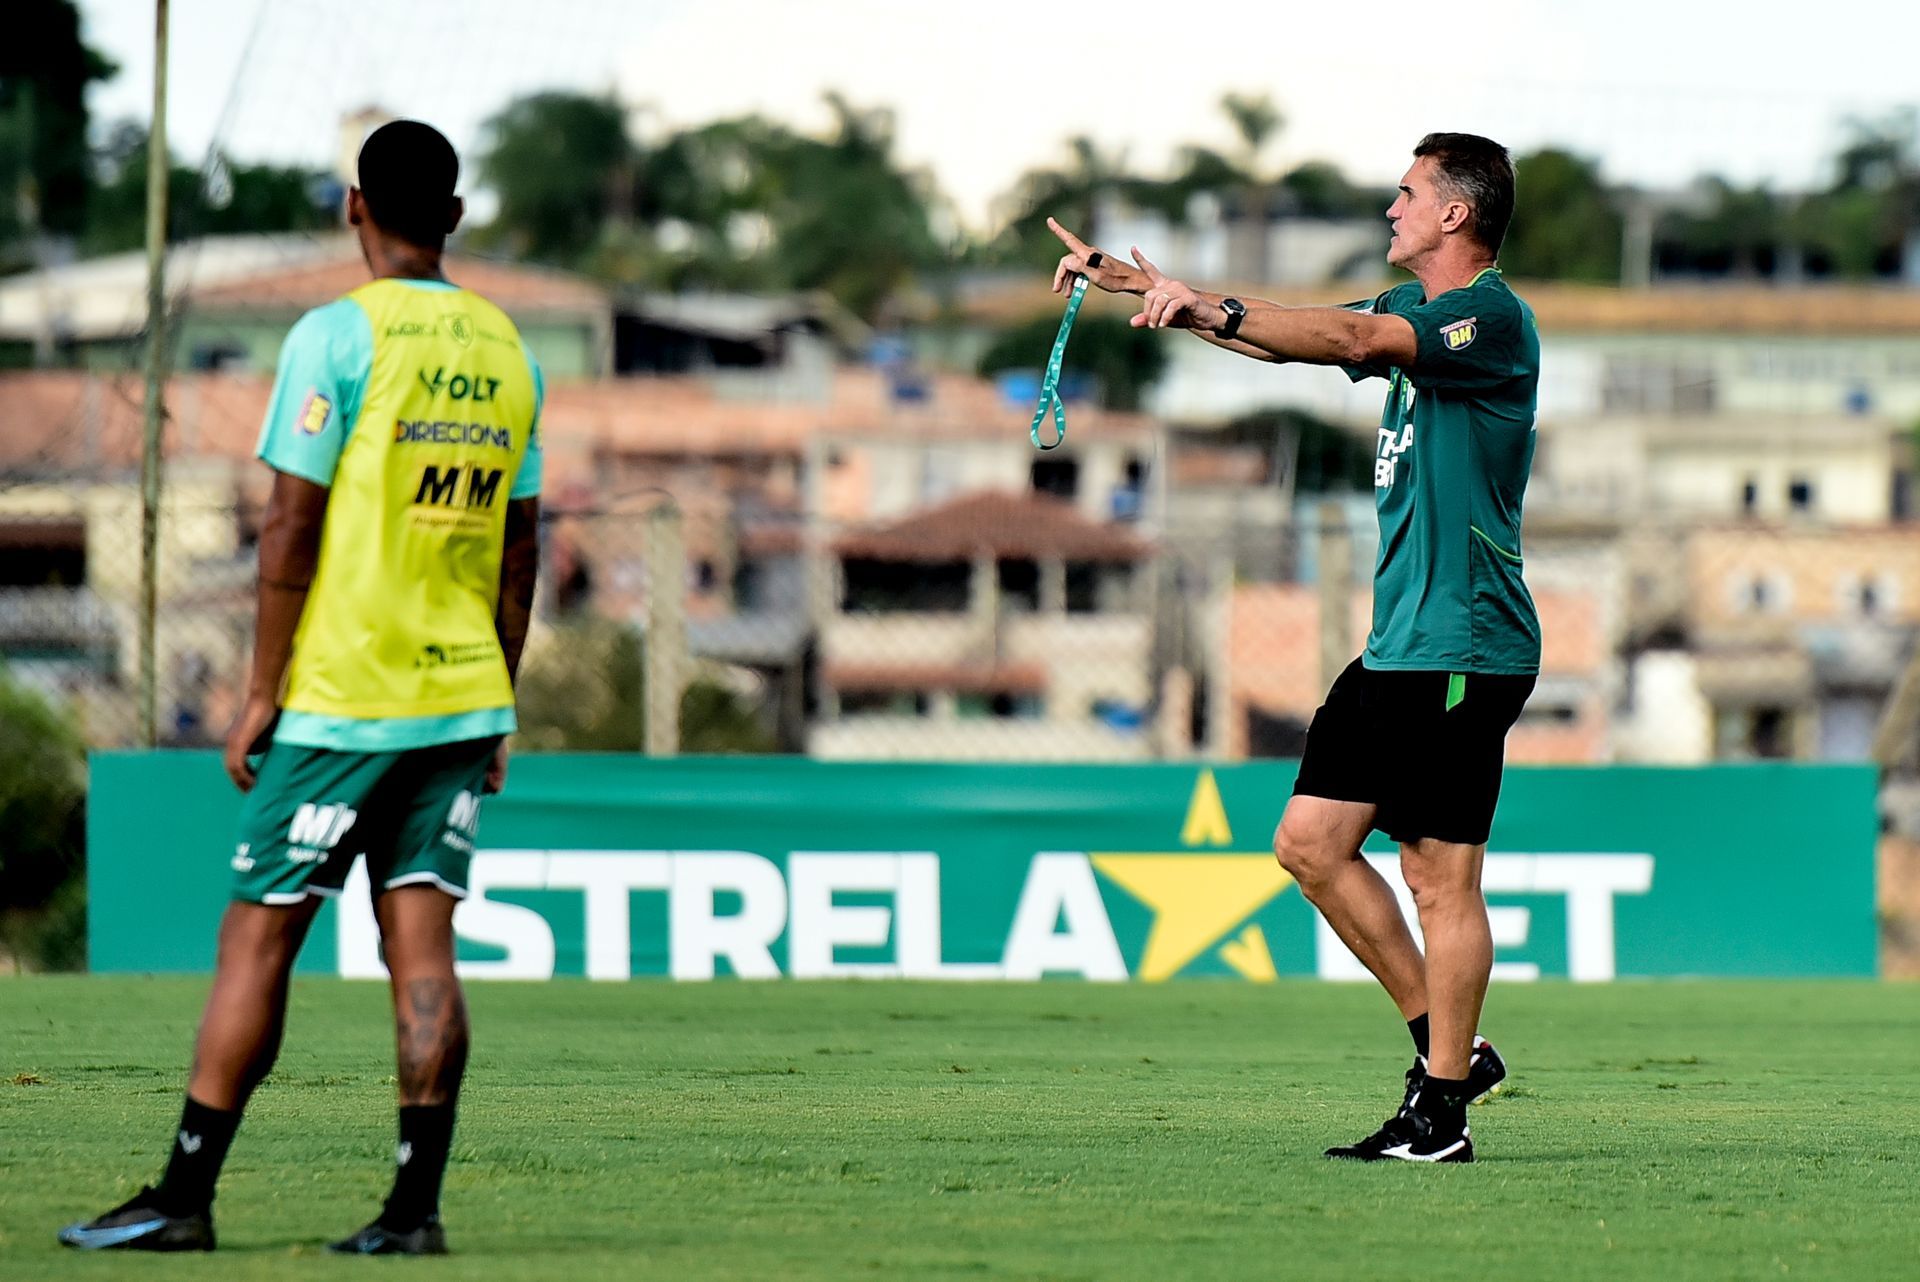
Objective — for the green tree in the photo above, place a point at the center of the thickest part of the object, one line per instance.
(1733, 231)
(1861, 226)
(43, 793)
(1124, 361)
(1068, 192)
(561, 165)
(583, 688)
(45, 168)
(1323, 457)
(845, 217)
(1318, 189)
(743, 203)
(1566, 226)
(227, 198)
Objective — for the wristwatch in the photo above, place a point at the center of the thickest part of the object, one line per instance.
(1236, 312)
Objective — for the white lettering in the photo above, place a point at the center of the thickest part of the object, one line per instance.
(816, 925)
(1589, 882)
(609, 878)
(698, 936)
(1061, 890)
(320, 827)
(464, 814)
(521, 932)
(917, 933)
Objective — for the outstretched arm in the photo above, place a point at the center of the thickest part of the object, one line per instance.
(1310, 335)
(1103, 271)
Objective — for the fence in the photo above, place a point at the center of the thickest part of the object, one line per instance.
(1151, 595)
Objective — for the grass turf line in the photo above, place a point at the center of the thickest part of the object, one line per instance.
(795, 1131)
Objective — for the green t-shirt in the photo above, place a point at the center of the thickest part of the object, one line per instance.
(1450, 470)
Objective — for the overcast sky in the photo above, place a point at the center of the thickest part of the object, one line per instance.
(1660, 90)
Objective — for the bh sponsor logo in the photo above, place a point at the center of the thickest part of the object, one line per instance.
(888, 913)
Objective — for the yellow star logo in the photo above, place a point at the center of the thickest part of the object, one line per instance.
(1197, 899)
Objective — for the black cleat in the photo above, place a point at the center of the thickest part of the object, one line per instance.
(378, 1239)
(137, 1224)
(1410, 1136)
(1485, 1071)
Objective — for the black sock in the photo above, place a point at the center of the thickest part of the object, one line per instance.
(1418, 1027)
(426, 1135)
(1444, 1100)
(199, 1149)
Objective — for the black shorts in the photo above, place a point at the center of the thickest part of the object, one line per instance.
(1427, 748)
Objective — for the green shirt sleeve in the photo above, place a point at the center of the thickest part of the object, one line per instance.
(317, 392)
(1467, 340)
(526, 482)
(1379, 305)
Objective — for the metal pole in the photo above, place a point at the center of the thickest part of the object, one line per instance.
(666, 629)
(157, 173)
(1336, 588)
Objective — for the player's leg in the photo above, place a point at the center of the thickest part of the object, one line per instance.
(431, 1037)
(1318, 843)
(246, 1012)
(416, 888)
(293, 851)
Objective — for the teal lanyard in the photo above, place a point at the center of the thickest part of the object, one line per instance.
(1050, 385)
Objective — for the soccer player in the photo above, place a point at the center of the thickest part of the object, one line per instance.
(397, 564)
(1411, 739)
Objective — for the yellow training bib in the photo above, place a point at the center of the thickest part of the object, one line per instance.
(399, 621)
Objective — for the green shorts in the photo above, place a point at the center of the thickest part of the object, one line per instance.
(415, 815)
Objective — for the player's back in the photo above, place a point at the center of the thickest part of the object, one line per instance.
(399, 621)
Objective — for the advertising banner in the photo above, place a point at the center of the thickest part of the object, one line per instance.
(616, 867)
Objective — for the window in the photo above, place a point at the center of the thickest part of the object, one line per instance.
(1019, 586)
(1059, 477)
(887, 586)
(1867, 596)
(883, 703)
(219, 354)
(1800, 494)
(1769, 733)
(1635, 386)
(999, 707)
(1753, 592)
(43, 553)
(1750, 496)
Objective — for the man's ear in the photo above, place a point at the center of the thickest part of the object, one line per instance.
(356, 207)
(456, 210)
(1458, 214)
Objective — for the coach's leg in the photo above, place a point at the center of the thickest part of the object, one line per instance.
(1444, 877)
(1318, 843)
(431, 1038)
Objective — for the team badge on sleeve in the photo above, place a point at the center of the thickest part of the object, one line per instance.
(315, 414)
(1460, 334)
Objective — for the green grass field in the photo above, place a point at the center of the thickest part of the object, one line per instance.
(789, 1131)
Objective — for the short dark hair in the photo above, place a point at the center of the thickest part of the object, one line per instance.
(1481, 173)
(407, 175)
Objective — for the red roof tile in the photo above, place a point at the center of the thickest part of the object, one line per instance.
(517, 288)
(1025, 525)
